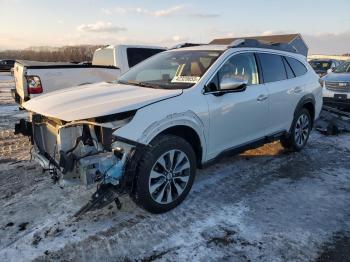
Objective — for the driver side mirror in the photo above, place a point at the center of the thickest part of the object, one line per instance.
(231, 84)
(330, 70)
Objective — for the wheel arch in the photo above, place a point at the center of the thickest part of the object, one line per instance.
(308, 102)
(190, 135)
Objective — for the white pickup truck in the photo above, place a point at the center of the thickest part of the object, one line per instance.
(35, 78)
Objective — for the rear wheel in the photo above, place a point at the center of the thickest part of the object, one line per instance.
(300, 131)
(165, 174)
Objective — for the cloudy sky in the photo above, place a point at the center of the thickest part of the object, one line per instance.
(324, 24)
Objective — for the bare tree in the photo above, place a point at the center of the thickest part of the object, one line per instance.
(62, 54)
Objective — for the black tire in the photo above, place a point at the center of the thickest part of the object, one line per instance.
(291, 141)
(149, 161)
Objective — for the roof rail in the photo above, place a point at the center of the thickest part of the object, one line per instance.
(182, 45)
(246, 42)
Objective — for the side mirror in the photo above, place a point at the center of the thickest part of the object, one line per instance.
(227, 84)
(330, 70)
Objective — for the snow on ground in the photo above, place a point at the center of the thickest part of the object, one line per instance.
(263, 205)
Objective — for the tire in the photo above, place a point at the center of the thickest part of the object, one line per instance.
(299, 133)
(162, 184)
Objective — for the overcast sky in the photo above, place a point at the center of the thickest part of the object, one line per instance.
(325, 25)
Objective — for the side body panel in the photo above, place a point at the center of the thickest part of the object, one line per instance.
(189, 109)
(60, 78)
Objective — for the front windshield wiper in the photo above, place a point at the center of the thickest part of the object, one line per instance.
(143, 84)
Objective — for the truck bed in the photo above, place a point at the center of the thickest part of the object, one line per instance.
(47, 65)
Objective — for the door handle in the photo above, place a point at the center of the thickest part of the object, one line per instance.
(261, 98)
(297, 90)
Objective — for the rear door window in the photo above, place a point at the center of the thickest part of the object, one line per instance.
(272, 67)
(290, 73)
(298, 68)
(137, 55)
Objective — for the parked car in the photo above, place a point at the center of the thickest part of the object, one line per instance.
(180, 110)
(336, 87)
(6, 65)
(36, 78)
(321, 66)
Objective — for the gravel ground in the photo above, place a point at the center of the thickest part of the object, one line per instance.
(263, 205)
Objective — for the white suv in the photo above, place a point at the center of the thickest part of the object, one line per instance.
(177, 111)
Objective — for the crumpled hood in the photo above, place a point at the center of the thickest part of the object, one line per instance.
(88, 101)
(337, 77)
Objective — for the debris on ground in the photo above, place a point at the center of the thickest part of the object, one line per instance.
(333, 121)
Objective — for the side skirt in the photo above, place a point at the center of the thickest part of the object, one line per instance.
(244, 147)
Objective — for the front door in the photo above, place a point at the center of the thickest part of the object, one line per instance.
(237, 117)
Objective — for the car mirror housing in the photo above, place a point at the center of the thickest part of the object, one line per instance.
(330, 70)
(231, 84)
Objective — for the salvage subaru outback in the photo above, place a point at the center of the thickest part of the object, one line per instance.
(182, 109)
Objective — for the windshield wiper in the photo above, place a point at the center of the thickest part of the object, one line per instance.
(142, 84)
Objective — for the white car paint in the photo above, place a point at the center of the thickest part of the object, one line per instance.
(230, 120)
(221, 122)
(95, 100)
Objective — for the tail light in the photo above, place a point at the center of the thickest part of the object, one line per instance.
(34, 85)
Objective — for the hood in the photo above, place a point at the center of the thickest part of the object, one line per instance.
(89, 101)
(337, 77)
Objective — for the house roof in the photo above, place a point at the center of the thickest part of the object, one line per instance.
(268, 38)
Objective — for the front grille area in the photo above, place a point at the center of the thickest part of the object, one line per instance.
(338, 86)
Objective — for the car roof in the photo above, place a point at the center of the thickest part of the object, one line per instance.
(203, 48)
(225, 47)
(135, 46)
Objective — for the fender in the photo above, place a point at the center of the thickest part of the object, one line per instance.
(308, 98)
(187, 118)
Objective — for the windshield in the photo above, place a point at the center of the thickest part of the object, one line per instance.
(171, 70)
(321, 65)
(343, 68)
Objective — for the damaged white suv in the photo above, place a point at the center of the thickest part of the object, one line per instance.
(181, 109)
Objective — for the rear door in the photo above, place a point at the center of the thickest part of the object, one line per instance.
(284, 91)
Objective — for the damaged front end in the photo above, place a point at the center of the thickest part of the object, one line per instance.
(85, 151)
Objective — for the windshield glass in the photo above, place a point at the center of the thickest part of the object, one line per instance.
(321, 65)
(171, 70)
(343, 68)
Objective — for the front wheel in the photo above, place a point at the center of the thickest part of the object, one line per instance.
(165, 174)
(300, 131)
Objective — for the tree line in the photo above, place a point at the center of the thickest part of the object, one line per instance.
(62, 54)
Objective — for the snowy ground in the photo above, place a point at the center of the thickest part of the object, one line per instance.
(263, 205)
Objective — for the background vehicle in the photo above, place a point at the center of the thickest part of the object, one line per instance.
(6, 65)
(172, 113)
(336, 86)
(36, 78)
(321, 66)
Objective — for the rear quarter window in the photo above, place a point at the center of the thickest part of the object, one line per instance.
(272, 67)
(298, 68)
(137, 55)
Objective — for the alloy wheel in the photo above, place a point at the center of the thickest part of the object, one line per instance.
(302, 129)
(169, 176)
